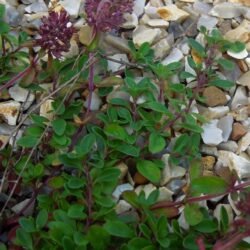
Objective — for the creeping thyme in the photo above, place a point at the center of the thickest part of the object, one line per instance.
(56, 31)
(105, 15)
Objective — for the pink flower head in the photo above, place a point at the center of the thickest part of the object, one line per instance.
(56, 31)
(105, 15)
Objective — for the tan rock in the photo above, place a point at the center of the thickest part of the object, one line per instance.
(123, 169)
(161, 49)
(238, 163)
(238, 131)
(46, 109)
(3, 141)
(172, 13)
(244, 142)
(165, 194)
(118, 42)
(241, 33)
(208, 162)
(244, 2)
(9, 111)
(214, 96)
(208, 173)
(140, 179)
(244, 80)
(158, 23)
(144, 34)
(86, 35)
(240, 114)
(243, 65)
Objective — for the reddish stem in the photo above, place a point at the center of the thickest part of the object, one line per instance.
(19, 76)
(200, 198)
(234, 239)
(200, 243)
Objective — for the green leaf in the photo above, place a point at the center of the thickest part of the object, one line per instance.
(162, 229)
(27, 141)
(75, 183)
(34, 131)
(156, 143)
(4, 27)
(128, 150)
(41, 219)
(2, 10)
(144, 49)
(224, 223)
(149, 170)
(138, 243)
(131, 198)
(76, 212)
(191, 62)
(118, 101)
(116, 131)
(80, 239)
(108, 174)
(185, 75)
(71, 160)
(197, 47)
(86, 144)
(156, 106)
(189, 242)
(226, 64)
(24, 239)
(2, 246)
(192, 127)
(119, 229)
(59, 126)
(39, 120)
(192, 214)
(178, 87)
(97, 232)
(56, 182)
(27, 224)
(181, 143)
(237, 47)
(67, 243)
(209, 185)
(225, 84)
(195, 170)
(207, 226)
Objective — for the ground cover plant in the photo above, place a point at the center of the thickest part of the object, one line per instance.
(65, 164)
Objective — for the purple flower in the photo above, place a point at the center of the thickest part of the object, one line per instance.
(105, 15)
(56, 31)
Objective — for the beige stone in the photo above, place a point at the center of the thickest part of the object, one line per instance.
(140, 179)
(144, 34)
(172, 13)
(208, 173)
(241, 33)
(9, 111)
(86, 35)
(3, 141)
(208, 162)
(244, 2)
(214, 96)
(159, 23)
(46, 109)
(238, 131)
(118, 43)
(235, 162)
(244, 80)
(123, 169)
(244, 142)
